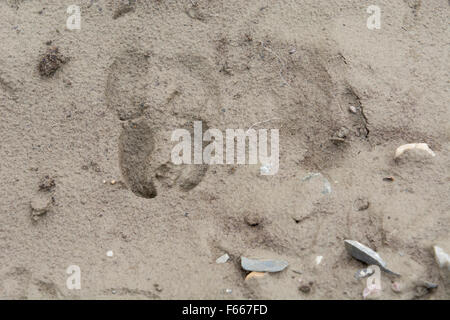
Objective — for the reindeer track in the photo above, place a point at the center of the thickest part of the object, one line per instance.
(153, 99)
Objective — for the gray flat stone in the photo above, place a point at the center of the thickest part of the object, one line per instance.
(365, 254)
(263, 265)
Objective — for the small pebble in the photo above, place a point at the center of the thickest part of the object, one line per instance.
(396, 287)
(319, 259)
(47, 183)
(361, 204)
(157, 287)
(352, 109)
(265, 169)
(342, 132)
(51, 62)
(364, 273)
(252, 219)
(305, 289)
(423, 288)
(223, 258)
(429, 285)
(109, 253)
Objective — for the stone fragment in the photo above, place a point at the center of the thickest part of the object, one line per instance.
(223, 259)
(263, 265)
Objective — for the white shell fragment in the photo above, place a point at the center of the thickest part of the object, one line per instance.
(420, 146)
(352, 109)
(442, 258)
(223, 259)
(263, 265)
(319, 259)
(365, 254)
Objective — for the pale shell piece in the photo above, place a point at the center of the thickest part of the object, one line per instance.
(421, 146)
(442, 258)
(255, 274)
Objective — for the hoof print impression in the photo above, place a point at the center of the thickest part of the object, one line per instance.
(136, 146)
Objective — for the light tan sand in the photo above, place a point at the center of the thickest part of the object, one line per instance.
(134, 74)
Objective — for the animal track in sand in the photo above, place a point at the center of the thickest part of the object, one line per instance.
(125, 90)
(145, 163)
(308, 91)
(136, 145)
(153, 97)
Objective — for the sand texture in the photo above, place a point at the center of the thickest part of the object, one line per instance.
(85, 166)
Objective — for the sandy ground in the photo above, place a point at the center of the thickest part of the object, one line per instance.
(134, 73)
